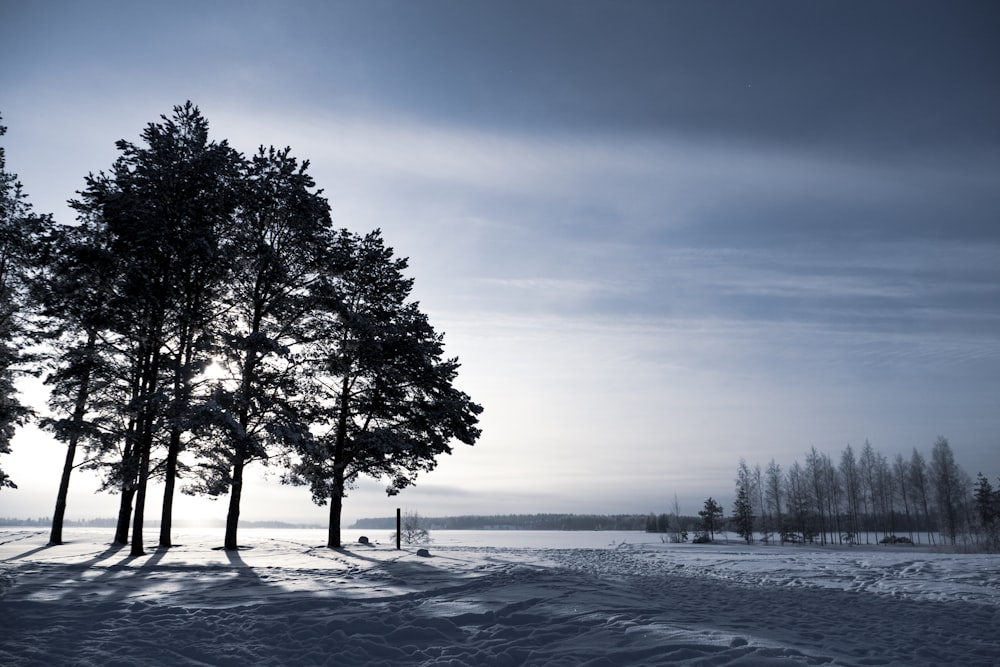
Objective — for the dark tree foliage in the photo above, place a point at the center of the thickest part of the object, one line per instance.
(283, 262)
(72, 294)
(386, 404)
(987, 502)
(165, 206)
(743, 513)
(711, 517)
(21, 232)
(203, 314)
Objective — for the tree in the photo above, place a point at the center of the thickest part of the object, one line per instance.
(868, 468)
(834, 495)
(743, 507)
(851, 477)
(71, 294)
(282, 264)
(711, 517)
(885, 494)
(759, 502)
(20, 234)
(919, 482)
(677, 532)
(799, 501)
(987, 502)
(164, 204)
(901, 474)
(412, 530)
(817, 479)
(773, 494)
(386, 401)
(947, 483)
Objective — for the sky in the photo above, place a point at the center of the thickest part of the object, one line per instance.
(660, 236)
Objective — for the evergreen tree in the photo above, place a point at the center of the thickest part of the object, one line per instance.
(283, 263)
(711, 517)
(165, 205)
(21, 234)
(987, 502)
(743, 513)
(386, 401)
(72, 294)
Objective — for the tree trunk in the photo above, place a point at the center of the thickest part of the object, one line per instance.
(181, 398)
(55, 537)
(167, 514)
(235, 494)
(124, 516)
(140, 500)
(79, 412)
(339, 465)
(241, 456)
(336, 506)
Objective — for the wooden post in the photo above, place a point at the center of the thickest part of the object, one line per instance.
(399, 526)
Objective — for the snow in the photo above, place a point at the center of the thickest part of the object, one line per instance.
(490, 598)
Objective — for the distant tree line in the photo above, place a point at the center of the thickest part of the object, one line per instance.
(866, 497)
(856, 498)
(516, 522)
(204, 314)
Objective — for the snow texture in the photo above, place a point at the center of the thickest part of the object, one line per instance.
(481, 599)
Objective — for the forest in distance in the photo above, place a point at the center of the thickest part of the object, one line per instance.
(863, 498)
(860, 498)
(857, 497)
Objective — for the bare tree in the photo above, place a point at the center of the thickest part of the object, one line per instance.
(868, 467)
(885, 494)
(834, 494)
(920, 485)
(901, 472)
(799, 501)
(948, 491)
(760, 505)
(817, 482)
(851, 478)
(773, 495)
(412, 530)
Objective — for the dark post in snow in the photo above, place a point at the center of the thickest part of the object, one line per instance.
(399, 526)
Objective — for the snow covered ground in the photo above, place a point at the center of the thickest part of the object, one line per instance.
(490, 599)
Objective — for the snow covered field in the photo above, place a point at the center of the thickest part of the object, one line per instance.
(490, 599)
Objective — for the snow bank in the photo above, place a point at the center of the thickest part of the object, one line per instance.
(284, 600)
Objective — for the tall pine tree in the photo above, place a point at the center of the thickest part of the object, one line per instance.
(166, 205)
(21, 235)
(387, 406)
(283, 256)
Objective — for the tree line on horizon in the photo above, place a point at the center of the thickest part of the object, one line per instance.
(204, 314)
(858, 497)
(550, 521)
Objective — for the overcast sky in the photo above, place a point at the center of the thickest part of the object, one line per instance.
(660, 236)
